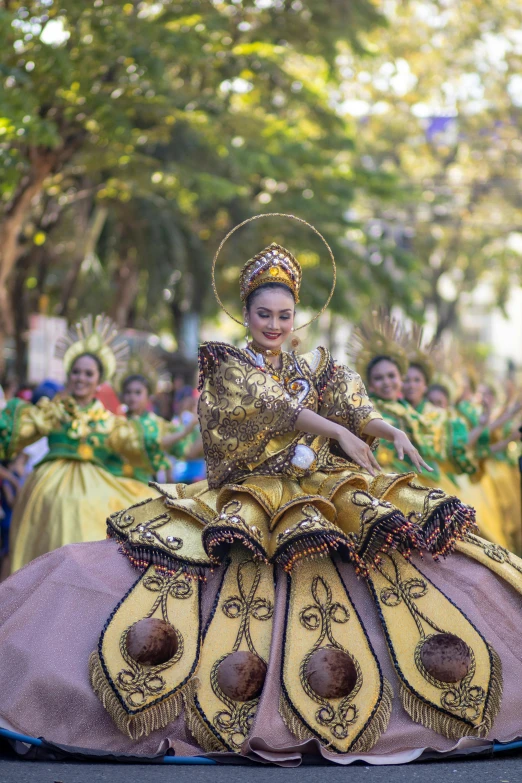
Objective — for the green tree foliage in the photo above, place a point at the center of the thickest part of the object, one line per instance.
(133, 135)
(439, 109)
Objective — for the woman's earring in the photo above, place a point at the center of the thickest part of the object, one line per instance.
(245, 324)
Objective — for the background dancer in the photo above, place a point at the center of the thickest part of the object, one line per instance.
(67, 497)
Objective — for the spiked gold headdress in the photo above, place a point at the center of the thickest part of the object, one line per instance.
(420, 353)
(99, 337)
(274, 264)
(144, 360)
(379, 335)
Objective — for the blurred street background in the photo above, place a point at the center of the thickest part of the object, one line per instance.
(134, 135)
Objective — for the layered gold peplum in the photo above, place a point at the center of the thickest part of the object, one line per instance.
(283, 515)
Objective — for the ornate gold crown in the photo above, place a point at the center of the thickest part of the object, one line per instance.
(274, 264)
(99, 337)
(379, 335)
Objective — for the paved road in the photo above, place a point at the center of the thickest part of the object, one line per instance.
(502, 769)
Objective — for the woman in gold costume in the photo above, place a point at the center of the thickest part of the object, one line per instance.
(280, 608)
(66, 498)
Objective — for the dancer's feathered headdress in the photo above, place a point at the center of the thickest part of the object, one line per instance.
(420, 353)
(98, 336)
(379, 335)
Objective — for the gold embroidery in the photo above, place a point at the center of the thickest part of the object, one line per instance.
(141, 698)
(138, 683)
(350, 722)
(242, 622)
(413, 612)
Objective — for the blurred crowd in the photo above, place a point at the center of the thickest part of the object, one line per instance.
(174, 401)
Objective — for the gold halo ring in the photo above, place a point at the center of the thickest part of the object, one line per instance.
(267, 215)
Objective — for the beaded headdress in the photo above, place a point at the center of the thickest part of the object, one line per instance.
(98, 336)
(274, 264)
(379, 335)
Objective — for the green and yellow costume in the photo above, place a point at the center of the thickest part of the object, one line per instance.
(66, 497)
(153, 430)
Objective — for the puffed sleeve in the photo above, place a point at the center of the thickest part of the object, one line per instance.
(138, 443)
(22, 423)
(344, 398)
(245, 415)
(461, 457)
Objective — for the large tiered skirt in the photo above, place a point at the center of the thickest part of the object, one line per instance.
(65, 502)
(303, 636)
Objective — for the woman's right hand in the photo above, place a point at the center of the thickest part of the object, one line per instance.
(358, 451)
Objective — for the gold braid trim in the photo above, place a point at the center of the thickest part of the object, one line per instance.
(450, 726)
(136, 726)
(370, 735)
(197, 727)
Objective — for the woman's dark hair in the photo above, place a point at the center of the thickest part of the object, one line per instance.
(375, 361)
(136, 378)
(421, 370)
(92, 356)
(439, 387)
(267, 287)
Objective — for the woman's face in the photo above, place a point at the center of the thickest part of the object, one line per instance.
(270, 318)
(438, 398)
(385, 380)
(136, 398)
(415, 386)
(84, 378)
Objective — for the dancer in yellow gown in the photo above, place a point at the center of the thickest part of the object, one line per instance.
(65, 499)
(280, 649)
(502, 464)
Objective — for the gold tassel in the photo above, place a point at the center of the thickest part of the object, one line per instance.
(378, 724)
(154, 717)
(373, 731)
(292, 722)
(451, 726)
(197, 727)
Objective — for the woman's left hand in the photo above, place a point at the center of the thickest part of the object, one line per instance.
(405, 447)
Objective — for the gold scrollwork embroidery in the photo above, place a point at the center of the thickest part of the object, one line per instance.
(147, 533)
(235, 722)
(138, 683)
(319, 616)
(312, 518)
(460, 698)
(230, 513)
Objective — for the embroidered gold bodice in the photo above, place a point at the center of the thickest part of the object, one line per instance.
(248, 412)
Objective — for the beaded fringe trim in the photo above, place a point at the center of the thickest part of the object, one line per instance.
(391, 532)
(368, 738)
(197, 727)
(143, 557)
(451, 726)
(157, 716)
(449, 523)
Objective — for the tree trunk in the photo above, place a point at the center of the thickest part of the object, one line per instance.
(19, 301)
(43, 162)
(91, 230)
(126, 284)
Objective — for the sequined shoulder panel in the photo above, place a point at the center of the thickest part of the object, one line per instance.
(210, 354)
